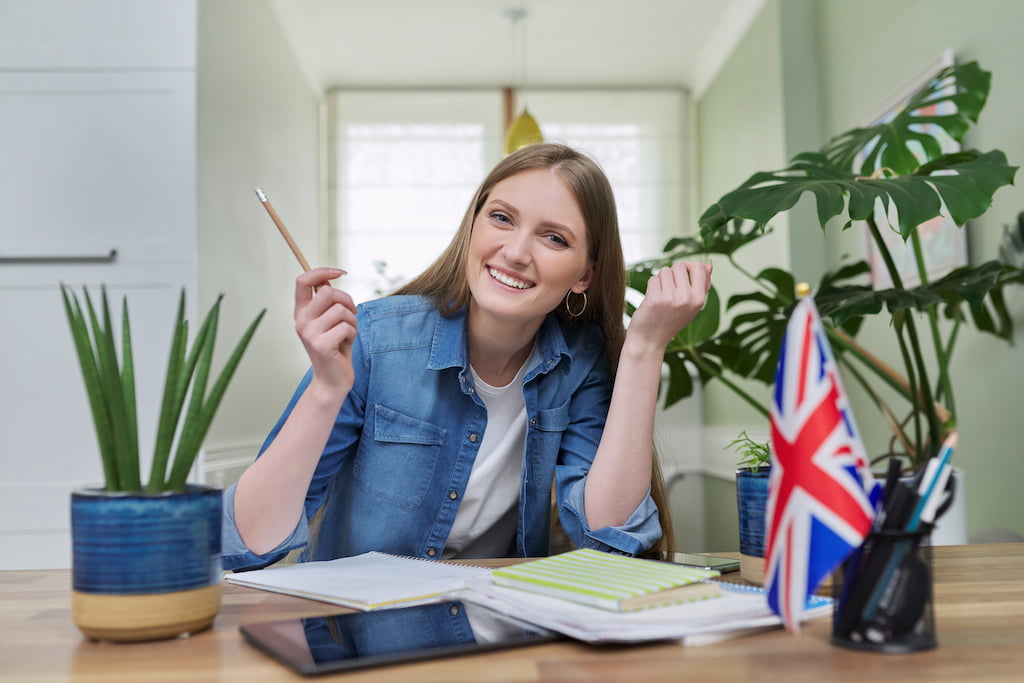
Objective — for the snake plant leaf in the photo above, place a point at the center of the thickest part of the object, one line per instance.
(94, 391)
(189, 438)
(951, 101)
(128, 392)
(170, 406)
(110, 382)
(197, 431)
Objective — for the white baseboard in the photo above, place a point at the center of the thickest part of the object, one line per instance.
(223, 464)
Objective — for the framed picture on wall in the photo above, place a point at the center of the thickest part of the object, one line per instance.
(943, 243)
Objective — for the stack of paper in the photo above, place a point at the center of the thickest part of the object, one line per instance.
(738, 611)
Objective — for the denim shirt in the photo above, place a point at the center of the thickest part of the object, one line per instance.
(399, 456)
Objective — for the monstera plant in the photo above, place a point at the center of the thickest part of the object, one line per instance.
(892, 176)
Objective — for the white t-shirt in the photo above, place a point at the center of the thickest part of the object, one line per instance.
(485, 524)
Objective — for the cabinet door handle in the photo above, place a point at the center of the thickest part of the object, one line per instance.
(70, 258)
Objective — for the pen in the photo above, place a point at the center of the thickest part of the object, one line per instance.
(927, 490)
(930, 488)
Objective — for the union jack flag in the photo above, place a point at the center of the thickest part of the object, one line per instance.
(821, 493)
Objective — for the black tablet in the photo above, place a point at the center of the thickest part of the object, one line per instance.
(358, 640)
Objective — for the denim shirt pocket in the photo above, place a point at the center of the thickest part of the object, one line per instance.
(398, 463)
(547, 427)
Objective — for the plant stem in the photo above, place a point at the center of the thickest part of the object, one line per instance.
(887, 414)
(753, 402)
(881, 369)
(943, 387)
(947, 355)
(757, 281)
(917, 373)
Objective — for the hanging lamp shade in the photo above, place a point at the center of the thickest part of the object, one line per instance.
(523, 131)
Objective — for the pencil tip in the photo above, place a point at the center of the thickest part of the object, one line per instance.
(259, 193)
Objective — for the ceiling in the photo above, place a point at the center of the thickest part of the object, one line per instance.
(474, 43)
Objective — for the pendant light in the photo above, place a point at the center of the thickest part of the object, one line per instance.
(523, 130)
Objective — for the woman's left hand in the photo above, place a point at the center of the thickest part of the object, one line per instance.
(675, 295)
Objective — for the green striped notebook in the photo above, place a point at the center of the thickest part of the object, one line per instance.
(613, 582)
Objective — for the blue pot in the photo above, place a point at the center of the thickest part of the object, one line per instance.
(751, 498)
(145, 566)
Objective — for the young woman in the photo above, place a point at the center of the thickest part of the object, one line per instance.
(436, 422)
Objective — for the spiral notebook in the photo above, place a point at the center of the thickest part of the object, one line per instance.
(369, 581)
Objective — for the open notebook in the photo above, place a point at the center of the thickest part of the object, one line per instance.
(365, 582)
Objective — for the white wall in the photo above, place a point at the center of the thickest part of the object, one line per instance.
(258, 125)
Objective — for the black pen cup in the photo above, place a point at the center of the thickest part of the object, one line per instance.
(883, 594)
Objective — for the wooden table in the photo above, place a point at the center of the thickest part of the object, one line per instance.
(979, 610)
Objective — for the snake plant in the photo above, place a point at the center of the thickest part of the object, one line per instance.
(110, 386)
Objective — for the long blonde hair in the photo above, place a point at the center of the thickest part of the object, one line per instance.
(444, 281)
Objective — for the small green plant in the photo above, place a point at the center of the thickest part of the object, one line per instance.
(753, 454)
(110, 386)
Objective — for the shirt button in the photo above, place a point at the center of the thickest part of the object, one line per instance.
(453, 494)
(431, 551)
(473, 437)
(533, 422)
(453, 610)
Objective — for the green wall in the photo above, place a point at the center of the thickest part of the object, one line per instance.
(811, 69)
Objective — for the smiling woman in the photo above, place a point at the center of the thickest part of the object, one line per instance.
(441, 421)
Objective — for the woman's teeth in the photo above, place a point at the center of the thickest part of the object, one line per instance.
(506, 280)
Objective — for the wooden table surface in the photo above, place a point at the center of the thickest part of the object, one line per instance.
(979, 612)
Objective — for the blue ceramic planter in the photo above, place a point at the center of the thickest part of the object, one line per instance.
(751, 498)
(132, 543)
(138, 559)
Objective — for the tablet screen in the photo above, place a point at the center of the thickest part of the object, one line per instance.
(363, 639)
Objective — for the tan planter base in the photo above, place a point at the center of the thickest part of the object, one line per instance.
(127, 618)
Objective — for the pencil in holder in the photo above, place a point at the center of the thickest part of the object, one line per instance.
(883, 594)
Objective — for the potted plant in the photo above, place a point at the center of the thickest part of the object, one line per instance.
(146, 559)
(752, 472)
(890, 176)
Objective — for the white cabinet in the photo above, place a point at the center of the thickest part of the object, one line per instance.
(97, 185)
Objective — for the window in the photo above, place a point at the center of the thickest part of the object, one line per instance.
(404, 165)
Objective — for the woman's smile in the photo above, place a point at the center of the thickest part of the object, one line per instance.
(509, 280)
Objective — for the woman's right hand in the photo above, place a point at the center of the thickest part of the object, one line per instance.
(325, 320)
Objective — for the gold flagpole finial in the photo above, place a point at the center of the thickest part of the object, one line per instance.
(802, 290)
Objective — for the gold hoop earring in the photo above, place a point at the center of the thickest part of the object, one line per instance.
(582, 308)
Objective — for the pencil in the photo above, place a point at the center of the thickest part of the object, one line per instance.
(283, 230)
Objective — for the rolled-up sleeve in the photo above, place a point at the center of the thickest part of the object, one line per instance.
(235, 556)
(639, 532)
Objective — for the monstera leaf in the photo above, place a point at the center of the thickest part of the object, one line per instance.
(964, 182)
(952, 100)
